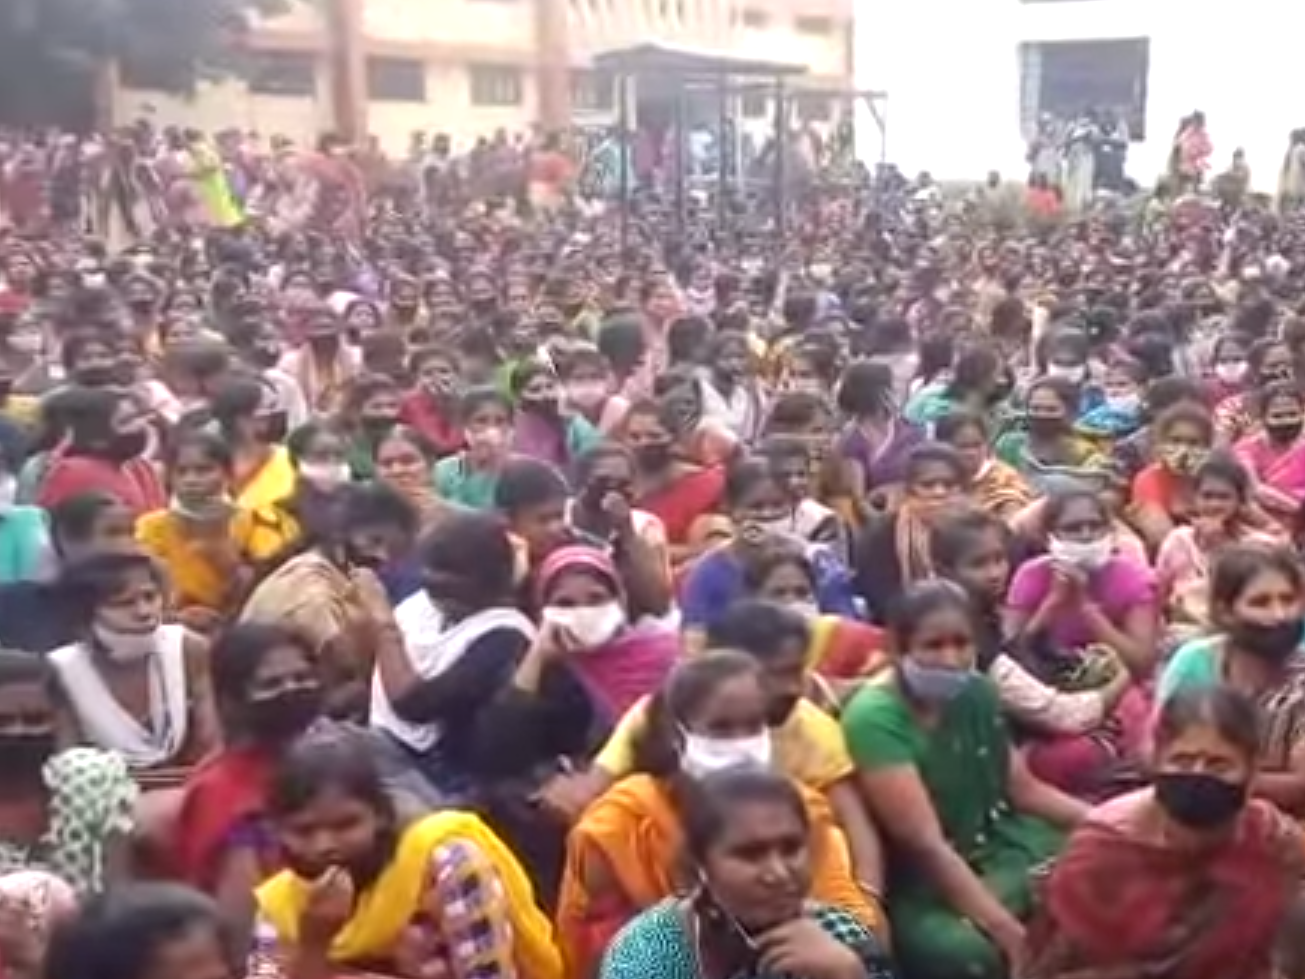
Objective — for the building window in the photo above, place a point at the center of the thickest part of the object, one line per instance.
(758, 20)
(593, 91)
(1061, 78)
(814, 108)
(495, 85)
(815, 26)
(755, 105)
(396, 80)
(288, 73)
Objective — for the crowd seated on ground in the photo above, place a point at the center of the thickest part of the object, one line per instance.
(406, 580)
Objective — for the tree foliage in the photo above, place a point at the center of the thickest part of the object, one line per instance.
(50, 50)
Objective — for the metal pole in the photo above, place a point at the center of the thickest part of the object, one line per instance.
(624, 155)
(681, 142)
(722, 176)
(781, 138)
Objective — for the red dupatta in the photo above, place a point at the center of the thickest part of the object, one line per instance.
(1117, 906)
(223, 791)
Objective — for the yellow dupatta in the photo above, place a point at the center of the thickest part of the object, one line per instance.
(384, 910)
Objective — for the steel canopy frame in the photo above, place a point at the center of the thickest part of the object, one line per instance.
(693, 67)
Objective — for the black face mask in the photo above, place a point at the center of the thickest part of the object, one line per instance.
(128, 445)
(653, 458)
(25, 754)
(547, 407)
(1274, 643)
(1046, 427)
(95, 377)
(379, 425)
(1289, 432)
(285, 715)
(1198, 800)
(274, 428)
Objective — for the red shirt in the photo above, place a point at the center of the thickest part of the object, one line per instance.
(134, 483)
(420, 411)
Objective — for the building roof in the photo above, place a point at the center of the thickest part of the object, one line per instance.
(675, 59)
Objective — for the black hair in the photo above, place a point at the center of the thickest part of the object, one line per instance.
(1230, 712)
(686, 339)
(299, 441)
(474, 549)
(422, 356)
(976, 367)
(705, 812)
(1235, 566)
(374, 505)
(366, 387)
(777, 449)
(950, 425)
(211, 445)
(527, 483)
(117, 934)
(745, 476)
(90, 581)
(1258, 353)
(341, 759)
(955, 536)
(928, 453)
(1185, 413)
(527, 371)
(937, 352)
(920, 601)
(237, 397)
(795, 411)
(473, 399)
(1066, 391)
(73, 519)
(686, 688)
(1275, 390)
(582, 469)
(1226, 468)
(89, 415)
(236, 655)
(866, 389)
(760, 628)
(1057, 503)
(405, 433)
(620, 340)
(1165, 392)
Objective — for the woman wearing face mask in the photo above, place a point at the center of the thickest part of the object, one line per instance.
(1048, 453)
(371, 410)
(324, 365)
(432, 406)
(202, 539)
(710, 716)
(85, 796)
(940, 777)
(367, 890)
(1163, 493)
(1275, 454)
(1229, 369)
(1222, 515)
(587, 386)
(133, 684)
(1119, 414)
(107, 436)
(1199, 877)
(541, 430)
(678, 493)
(731, 394)
(790, 459)
(267, 693)
(752, 915)
(470, 477)
(1267, 360)
(1082, 593)
(329, 588)
(249, 418)
(405, 461)
(875, 443)
(979, 381)
(997, 488)
(1064, 354)
(1256, 604)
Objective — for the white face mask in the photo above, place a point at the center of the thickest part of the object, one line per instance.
(1069, 372)
(703, 755)
(1124, 402)
(586, 394)
(1088, 555)
(127, 647)
(325, 475)
(1230, 371)
(809, 610)
(591, 625)
(491, 439)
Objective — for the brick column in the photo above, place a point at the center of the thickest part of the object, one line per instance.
(553, 63)
(347, 60)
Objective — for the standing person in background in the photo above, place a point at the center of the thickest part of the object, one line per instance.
(1291, 180)
(1190, 157)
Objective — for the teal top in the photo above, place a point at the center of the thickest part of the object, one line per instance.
(25, 550)
(1195, 664)
(457, 482)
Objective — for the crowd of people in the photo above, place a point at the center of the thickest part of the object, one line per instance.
(468, 585)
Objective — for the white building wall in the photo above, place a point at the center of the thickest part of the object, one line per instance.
(951, 70)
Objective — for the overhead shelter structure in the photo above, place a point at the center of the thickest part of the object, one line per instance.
(686, 69)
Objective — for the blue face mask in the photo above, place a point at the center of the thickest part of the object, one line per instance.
(933, 684)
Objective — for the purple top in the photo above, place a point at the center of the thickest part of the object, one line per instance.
(885, 465)
(1119, 586)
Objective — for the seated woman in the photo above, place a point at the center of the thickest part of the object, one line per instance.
(253, 420)
(541, 431)
(579, 589)
(1119, 414)
(676, 492)
(893, 552)
(369, 412)
(1082, 594)
(469, 476)
(1220, 516)
(327, 590)
(1275, 453)
(745, 816)
(965, 821)
(366, 891)
(758, 516)
(139, 931)
(840, 648)
(711, 716)
(790, 461)
(1199, 877)
(267, 693)
(995, 486)
(1268, 360)
(877, 441)
(66, 812)
(978, 382)
(1085, 740)
(403, 460)
(132, 684)
(202, 539)
(1257, 602)
(1048, 453)
(1163, 495)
